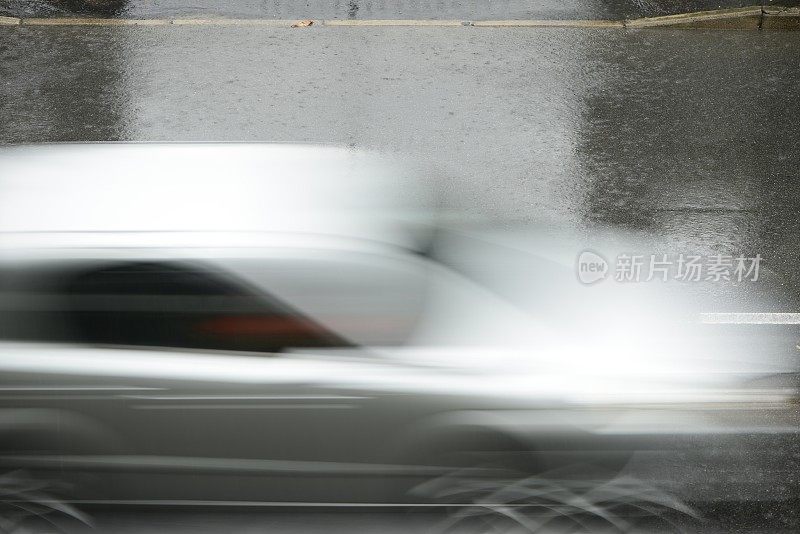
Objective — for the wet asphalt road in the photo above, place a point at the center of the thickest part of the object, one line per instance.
(335, 521)
(375, 9)
(692, 136)
(689, 135)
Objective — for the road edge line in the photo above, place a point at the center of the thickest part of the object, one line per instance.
(775, 318)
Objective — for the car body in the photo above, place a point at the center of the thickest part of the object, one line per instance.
(170, 337)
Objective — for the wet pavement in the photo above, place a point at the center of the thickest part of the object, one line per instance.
(327, 520)
(689, 135)
(374, 9)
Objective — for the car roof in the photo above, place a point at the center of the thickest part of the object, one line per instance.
(150, 188)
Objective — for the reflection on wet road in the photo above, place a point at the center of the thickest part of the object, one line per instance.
(691, 136)
(314, 520)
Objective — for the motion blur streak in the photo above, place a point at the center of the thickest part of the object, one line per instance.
(253, 325)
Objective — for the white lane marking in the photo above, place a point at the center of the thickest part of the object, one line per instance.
(750, 318)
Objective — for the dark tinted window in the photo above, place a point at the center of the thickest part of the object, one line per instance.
(158, 305)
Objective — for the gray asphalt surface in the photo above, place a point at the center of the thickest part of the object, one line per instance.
(690, 135)
(331, 521)
(375, 9)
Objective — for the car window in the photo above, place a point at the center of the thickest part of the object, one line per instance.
(377, 299)
(366, 298)
(155, 305)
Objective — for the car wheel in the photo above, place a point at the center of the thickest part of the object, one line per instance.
(35, 503)
(496, 497)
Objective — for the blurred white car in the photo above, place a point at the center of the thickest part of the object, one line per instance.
(255, 323)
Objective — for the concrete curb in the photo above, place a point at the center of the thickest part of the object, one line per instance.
(236, 22)
(741, 18)
(75, 21)
(781, 18)
(92, 22)
(393, 22)
(549, 23)
(782, 11)
(752, 18)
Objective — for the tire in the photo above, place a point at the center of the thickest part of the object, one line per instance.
(35, 503)
(494, 486)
